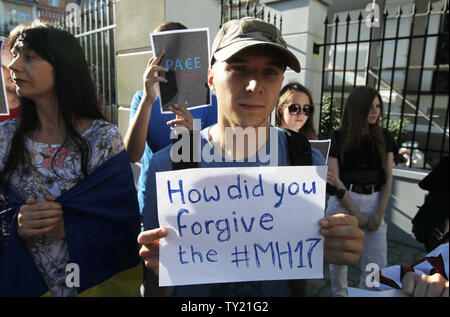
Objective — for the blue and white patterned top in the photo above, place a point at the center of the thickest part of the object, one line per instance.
(51, 255)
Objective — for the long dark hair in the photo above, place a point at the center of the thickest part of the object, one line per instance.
(308, 128)
(76, 93)
(354, 119)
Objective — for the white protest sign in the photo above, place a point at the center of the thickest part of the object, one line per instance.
(241, 224)
(4, 108)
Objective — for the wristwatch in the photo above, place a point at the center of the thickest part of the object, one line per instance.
(340, 193)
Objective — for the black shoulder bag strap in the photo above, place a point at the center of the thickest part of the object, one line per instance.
(180, 165)
(299, 148)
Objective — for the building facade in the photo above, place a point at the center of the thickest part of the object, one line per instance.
(51, 9)
(14, 12)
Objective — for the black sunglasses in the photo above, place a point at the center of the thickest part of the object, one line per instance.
(295, 108)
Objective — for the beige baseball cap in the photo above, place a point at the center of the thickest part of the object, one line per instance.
(236, 35)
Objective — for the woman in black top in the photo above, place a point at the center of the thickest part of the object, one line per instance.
(361, 160)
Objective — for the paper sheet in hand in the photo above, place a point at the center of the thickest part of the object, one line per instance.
(323, 146)
(241, 224)
(4, 109)
(187, 58)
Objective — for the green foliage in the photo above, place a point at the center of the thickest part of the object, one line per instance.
(330, 117)
(398, 131)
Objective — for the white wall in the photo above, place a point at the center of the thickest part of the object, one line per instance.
(195, 14)
(303, 24)
(403, 204)
(133, 42)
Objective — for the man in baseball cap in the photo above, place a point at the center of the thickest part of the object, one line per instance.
(236, 35)
(249, 58)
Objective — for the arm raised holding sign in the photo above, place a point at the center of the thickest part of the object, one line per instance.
(137, 132)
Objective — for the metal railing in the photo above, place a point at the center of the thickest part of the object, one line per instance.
(93, 23)
(236, 10)
(406, 67)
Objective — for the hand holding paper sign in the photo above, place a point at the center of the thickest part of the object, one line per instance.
(183, 118)
(150, 247)
(343, 239)
(186, 60)
(150, 78)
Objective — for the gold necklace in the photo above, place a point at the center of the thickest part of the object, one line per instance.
(37, 178)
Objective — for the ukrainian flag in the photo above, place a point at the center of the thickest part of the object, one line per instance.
(102, 222)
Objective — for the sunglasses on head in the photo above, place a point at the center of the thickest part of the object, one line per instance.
(295, 108)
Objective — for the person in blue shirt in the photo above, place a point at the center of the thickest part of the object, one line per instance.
(150, 130)
(249, 57)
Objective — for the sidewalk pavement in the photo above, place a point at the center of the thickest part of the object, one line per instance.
(398, 253)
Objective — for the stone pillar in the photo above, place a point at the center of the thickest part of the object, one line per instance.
(303, 25)
(195, 14)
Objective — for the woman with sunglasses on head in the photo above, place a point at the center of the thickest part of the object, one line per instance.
(361, 160)
(69, 216)
(295, 110)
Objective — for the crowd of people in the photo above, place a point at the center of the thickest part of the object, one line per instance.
(67, 193)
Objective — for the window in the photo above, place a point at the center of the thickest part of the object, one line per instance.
(23, 16)
(12, 16)
(53, 3)
(16, 17)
